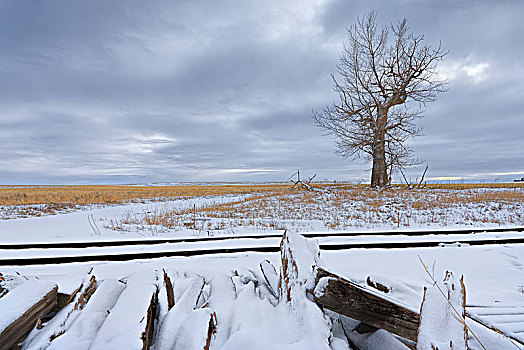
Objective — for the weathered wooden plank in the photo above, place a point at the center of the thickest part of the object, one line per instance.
(299, 256)
(129, 324)
(169, 291)
(442, 314)
(337, 294)
(24, 306)
(170, 333)
(62, 320)
(81, 332)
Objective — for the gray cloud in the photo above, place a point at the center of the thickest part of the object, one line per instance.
(174, 91)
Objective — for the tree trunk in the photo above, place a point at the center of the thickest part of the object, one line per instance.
(379, 173)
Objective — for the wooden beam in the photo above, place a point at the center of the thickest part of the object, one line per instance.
(20, 327)
(347, 298)
(130, 323)
(147, 335)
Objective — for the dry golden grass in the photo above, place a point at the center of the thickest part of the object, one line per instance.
(96, 194)
(103, 194)
(27, 201)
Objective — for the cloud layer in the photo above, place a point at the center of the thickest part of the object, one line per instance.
(104, 92)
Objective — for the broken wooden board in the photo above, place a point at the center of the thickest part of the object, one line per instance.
(129, 324)
(442, 316)
(169, 290)
(22, 307)
(83, 330)
(222, 299)
(41, 337)
(197, 330)
(299, 256)
(347, 298)
(170, 334)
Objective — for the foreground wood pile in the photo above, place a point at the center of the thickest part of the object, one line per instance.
(169, 309)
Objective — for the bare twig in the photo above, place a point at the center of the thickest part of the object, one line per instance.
(93, 225)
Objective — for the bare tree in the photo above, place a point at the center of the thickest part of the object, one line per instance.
(385, 79)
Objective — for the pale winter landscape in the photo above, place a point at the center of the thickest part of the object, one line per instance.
(324, 174)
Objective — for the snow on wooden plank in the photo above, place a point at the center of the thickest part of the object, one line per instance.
(222, 300)
(506, 320)
(299, 256)
(166, 298)
(22, 307)
(41, 337)
(82, 332)
(130, 323)
(347, 298)
(180, 286)
(441, 313)
(173, 330)
(197, 330)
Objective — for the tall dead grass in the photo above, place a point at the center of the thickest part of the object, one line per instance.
(27, 201)
(94, 194)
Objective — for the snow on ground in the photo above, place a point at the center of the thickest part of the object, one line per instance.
(75, 226)
(493, 275)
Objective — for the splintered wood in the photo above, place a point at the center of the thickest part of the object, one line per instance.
(42, 337)
(299, 257)
(129, 324)
(169, 290)
(22, 308)
(442, 316)
(169, 309)
(186, 326)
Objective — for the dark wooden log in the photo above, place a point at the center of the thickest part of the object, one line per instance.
(352, 300)
(18, 330)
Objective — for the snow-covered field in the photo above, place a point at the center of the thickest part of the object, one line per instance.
(300, 211)
(248, 314)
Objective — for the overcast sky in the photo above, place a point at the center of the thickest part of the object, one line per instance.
(140, 91)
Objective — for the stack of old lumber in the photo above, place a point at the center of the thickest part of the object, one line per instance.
(297, 305)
